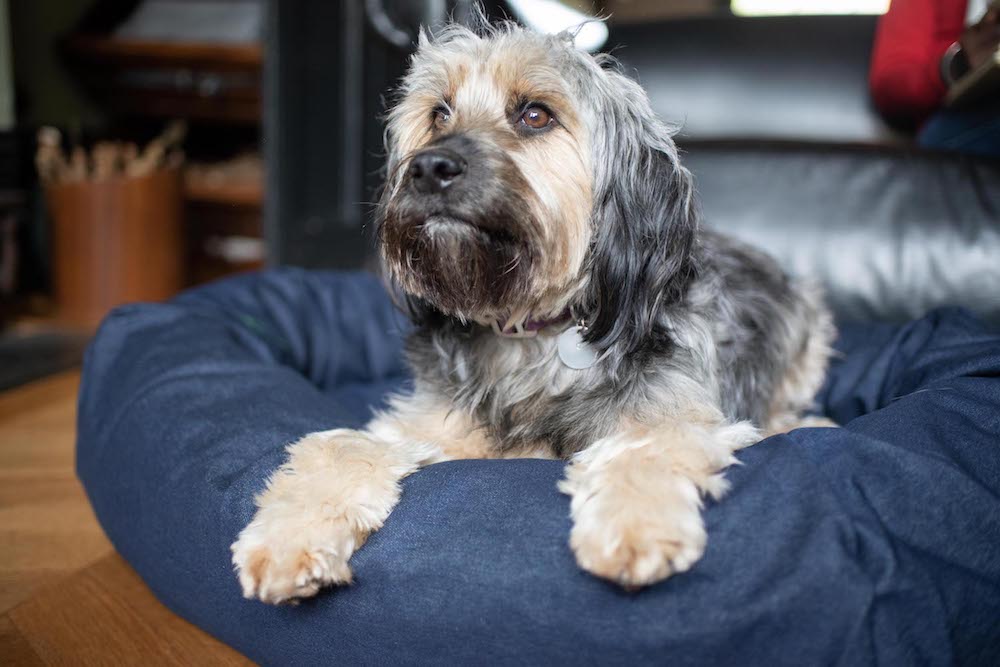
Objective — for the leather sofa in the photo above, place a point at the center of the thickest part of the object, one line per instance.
(789, 154)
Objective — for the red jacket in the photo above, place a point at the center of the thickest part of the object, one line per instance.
(905, 76)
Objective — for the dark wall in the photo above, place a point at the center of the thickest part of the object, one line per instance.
(315, 104)
(329, 66)
(46, 94)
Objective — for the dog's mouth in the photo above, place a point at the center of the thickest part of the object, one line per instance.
(450, 224)
(461, 264)
(445, 223)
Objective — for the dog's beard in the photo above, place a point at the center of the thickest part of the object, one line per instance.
(471, 263)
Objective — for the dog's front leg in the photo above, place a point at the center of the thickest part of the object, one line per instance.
(338, 487)
(636, 497)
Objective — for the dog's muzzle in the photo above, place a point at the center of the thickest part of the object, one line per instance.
(459, 231)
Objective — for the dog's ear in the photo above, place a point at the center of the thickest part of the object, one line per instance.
(645, 223)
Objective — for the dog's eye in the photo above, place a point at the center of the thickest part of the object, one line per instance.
(536, 117)
(441, 115)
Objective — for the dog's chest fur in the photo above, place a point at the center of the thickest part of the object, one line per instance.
(517, 388)
(522, 393)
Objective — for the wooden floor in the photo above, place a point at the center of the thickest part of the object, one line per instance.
(65, 596)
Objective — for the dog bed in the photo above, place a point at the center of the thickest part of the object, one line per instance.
(878, 542)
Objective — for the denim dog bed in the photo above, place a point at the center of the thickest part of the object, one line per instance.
(875, 543)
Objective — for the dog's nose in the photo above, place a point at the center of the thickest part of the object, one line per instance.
(435, 169)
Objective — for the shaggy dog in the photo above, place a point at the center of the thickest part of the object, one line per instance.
(566, 305)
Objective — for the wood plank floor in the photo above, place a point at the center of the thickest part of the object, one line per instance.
(65, 596)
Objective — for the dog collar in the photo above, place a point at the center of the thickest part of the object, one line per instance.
(573, 351)
(520, 325)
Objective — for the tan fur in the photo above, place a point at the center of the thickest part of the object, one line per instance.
(336, 488)
(422, 421)
(636, 497)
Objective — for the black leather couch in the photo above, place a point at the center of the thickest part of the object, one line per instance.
(789, 155)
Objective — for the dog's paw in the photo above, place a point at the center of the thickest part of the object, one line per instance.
(336, 489)
(282, 561)
(635, 543)
(636, 508)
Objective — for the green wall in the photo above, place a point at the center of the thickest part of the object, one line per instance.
(47, 95)
(7, 118)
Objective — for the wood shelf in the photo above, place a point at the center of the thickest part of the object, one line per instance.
(191, 55)
(161, 79)
(230, 194)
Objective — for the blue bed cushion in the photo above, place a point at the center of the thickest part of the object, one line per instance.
(875, 543)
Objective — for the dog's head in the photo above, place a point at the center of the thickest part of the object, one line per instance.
(525, 176)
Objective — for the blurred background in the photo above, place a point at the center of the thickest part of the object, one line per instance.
(148, 146)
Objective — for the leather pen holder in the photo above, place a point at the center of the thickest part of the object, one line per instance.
(115, 241)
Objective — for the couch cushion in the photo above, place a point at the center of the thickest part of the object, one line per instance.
(890, 233)
(799, 78)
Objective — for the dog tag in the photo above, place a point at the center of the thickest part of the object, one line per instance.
(574, 352)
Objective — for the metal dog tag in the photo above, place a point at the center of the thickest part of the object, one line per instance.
(574, 352)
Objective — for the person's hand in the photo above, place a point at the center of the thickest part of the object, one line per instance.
(979, 41)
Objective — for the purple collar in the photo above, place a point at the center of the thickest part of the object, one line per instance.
(528, 327)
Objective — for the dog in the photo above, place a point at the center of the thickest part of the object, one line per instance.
(566, 305)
